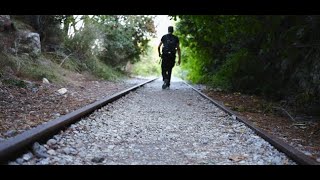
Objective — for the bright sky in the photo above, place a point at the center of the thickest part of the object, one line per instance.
(161, 23)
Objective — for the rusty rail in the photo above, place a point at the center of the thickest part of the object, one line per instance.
(16, 145)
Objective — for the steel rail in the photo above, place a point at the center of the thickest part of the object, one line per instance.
(16, 145)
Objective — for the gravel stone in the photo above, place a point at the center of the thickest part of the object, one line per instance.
(51, 142)
(27, 156)
(97, 159)
(19, 161)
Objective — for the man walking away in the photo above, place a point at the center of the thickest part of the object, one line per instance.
(171, 45)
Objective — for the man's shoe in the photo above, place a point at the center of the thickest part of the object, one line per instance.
(165, 84)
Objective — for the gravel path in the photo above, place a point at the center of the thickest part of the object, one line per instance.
(155, 126)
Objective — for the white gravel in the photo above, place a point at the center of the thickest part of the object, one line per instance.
(162, 127)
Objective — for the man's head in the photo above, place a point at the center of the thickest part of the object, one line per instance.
(170, 29)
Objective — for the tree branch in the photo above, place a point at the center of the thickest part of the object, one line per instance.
(281, 108)
(64, 60)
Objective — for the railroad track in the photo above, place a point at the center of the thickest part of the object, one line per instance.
(15, 146)
(290, 151)
(154, 135)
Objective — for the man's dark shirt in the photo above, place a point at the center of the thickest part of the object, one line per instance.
(170, 43)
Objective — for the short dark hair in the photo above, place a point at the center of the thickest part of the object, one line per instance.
(170, 29)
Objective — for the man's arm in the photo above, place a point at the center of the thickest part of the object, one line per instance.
(159, 48)
(179, 53)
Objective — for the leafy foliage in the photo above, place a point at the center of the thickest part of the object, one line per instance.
(100, 44)
(149, 64)
(270, 55)
(114, 39)
(125, 38)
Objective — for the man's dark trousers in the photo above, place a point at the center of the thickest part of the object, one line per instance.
(166, 67)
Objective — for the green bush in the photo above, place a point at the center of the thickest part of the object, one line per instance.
(192, 66)
(14, 82)
(102, 70)
(39, 69)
